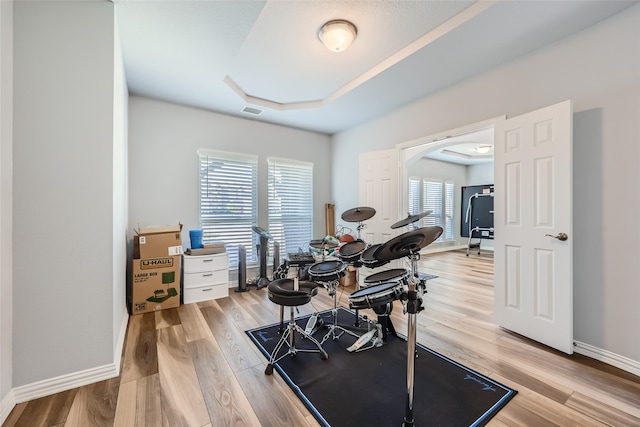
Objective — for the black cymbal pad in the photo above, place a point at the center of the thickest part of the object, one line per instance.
(408, 243)
(410, 219)
(358, 214)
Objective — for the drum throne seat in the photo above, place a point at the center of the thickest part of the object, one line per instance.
(283, 293)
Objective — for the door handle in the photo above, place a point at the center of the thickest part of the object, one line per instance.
(561, 236)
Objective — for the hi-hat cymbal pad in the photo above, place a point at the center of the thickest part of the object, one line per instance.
(358, 214)
(408, 243)
(410, 219)
(323, 244)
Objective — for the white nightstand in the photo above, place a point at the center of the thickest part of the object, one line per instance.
(206, 277)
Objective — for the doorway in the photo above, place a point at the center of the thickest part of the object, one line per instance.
(533, 280)
(456, 158)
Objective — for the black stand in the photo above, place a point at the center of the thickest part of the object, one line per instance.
(242, 270)
(413, 305)
(263, 248)
(332, 288)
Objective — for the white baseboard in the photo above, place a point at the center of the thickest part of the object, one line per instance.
(65, 382)
(6, 405)
(607, 357)
(77, 379)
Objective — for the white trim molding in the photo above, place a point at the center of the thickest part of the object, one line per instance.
(77, 379)
(65, 382)
(6, 406)
(607, 357)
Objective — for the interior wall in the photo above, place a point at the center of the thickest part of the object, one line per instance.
(480, 174)
(6, 196)
(599, 69)
(163, 161)
(63, 188)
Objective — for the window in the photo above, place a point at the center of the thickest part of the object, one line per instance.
(228, 201)
(290, 203)
(436, 196)
(432, 201)
(448, 210)
(414, 196)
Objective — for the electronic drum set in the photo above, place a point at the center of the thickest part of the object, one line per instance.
(381, 289)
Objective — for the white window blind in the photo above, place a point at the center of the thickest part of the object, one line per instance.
(448, 210)
(432, 200)
(228, 201)
(437, 196)
(414, 196)
(290, 203)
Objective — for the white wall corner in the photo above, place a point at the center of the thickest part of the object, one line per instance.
(624, 363)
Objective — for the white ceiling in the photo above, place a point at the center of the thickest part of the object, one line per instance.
(461, 149)
(226, 55)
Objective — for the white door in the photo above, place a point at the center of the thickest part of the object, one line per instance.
(379, 190)
(533, 203)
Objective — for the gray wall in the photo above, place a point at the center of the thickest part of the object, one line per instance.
(6, 171)
(64, 201)
(480, 174)
(599, 69)
(163, 162)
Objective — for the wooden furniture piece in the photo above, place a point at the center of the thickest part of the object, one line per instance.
(330, 219)
(206, 277)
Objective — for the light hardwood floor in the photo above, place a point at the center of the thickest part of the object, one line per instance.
(195, 366)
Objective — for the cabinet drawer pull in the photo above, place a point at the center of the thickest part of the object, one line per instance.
(207, 275)
(207, 260)
(207, 290)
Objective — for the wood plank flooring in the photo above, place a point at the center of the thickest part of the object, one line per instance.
(195, 366)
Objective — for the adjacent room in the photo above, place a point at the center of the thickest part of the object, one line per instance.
(319, 213)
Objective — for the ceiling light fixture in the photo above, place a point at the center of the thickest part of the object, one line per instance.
(483, 149)
(337, 35)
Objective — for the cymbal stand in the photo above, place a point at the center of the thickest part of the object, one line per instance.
(412, 305)
(360, 227)
(357, 266)
(314, 323)
(332, 287)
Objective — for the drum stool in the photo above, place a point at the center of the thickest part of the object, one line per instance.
(282, 292)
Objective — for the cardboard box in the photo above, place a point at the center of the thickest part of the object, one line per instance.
(155, 284)
(349, 278)
(157, 242)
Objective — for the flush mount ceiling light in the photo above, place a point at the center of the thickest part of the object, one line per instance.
(483, 149)
(337, 35)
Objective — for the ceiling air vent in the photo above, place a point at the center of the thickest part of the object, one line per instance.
(252, 110)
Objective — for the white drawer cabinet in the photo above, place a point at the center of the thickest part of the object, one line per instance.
(206, 277)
